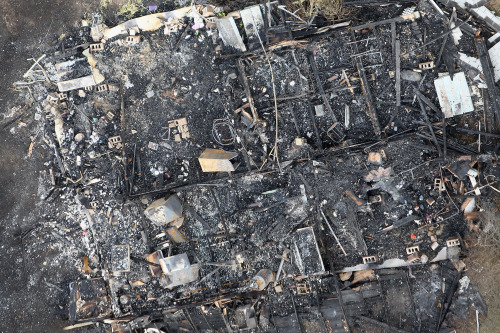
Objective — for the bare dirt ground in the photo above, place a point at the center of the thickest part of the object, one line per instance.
(494, 5)
(483, 269)
(27, 28)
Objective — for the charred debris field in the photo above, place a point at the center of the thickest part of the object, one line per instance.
(253, 170)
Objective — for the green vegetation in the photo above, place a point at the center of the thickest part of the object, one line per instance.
(129, 9)
(104, 4)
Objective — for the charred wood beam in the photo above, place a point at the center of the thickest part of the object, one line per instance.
(222, 217)
(197, 217)
(398, 73)
(376, 24)
(190, 320)
(451, 145)
(132, 175)
(372, 113)
(317, 222)
(381, 324)
(144, 261)
(486, 109)
(179, 187)
(374, 3)
(484, 57)
(429, 103)
(206, 320)
(437, 38)
(192, 302)
(321, 90)
(319, 143)
(283, 18)
(294, 118)
(445, 149)
(295, 311)
(451, 292)
(393, 38)
(469, 131)
(302, 95)
(54, 144)
(440, 54)
(267, 8)
(181, 38)
(429, 126)
(382, 299)
(412, 300)
(122, 126)
(244, 80)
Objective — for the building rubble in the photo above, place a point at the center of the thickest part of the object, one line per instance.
(213, 171)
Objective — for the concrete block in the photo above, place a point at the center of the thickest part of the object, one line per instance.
(453, 242)
(413, 257)
(369, 259)
(412, 249)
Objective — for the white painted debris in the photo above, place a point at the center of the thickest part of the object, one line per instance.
(229, 33)
(495, 60)
(456, 33)
(145, 23)
(253, 23)
(495, 38)
(454, 95)
(469, 205)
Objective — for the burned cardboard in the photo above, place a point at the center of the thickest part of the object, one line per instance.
(216, 160)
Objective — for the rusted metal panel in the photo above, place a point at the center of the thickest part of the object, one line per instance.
(155, 258)
(175, 235)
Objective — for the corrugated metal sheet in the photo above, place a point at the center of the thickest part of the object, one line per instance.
(454, 95)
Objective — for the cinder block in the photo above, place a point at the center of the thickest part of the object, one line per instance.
(412, 249)
(115, 142)
(413, 257)
(96, 47)
(453, 242)
(369, 259)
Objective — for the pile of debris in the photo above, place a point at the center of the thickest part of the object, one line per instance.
(253, 171)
